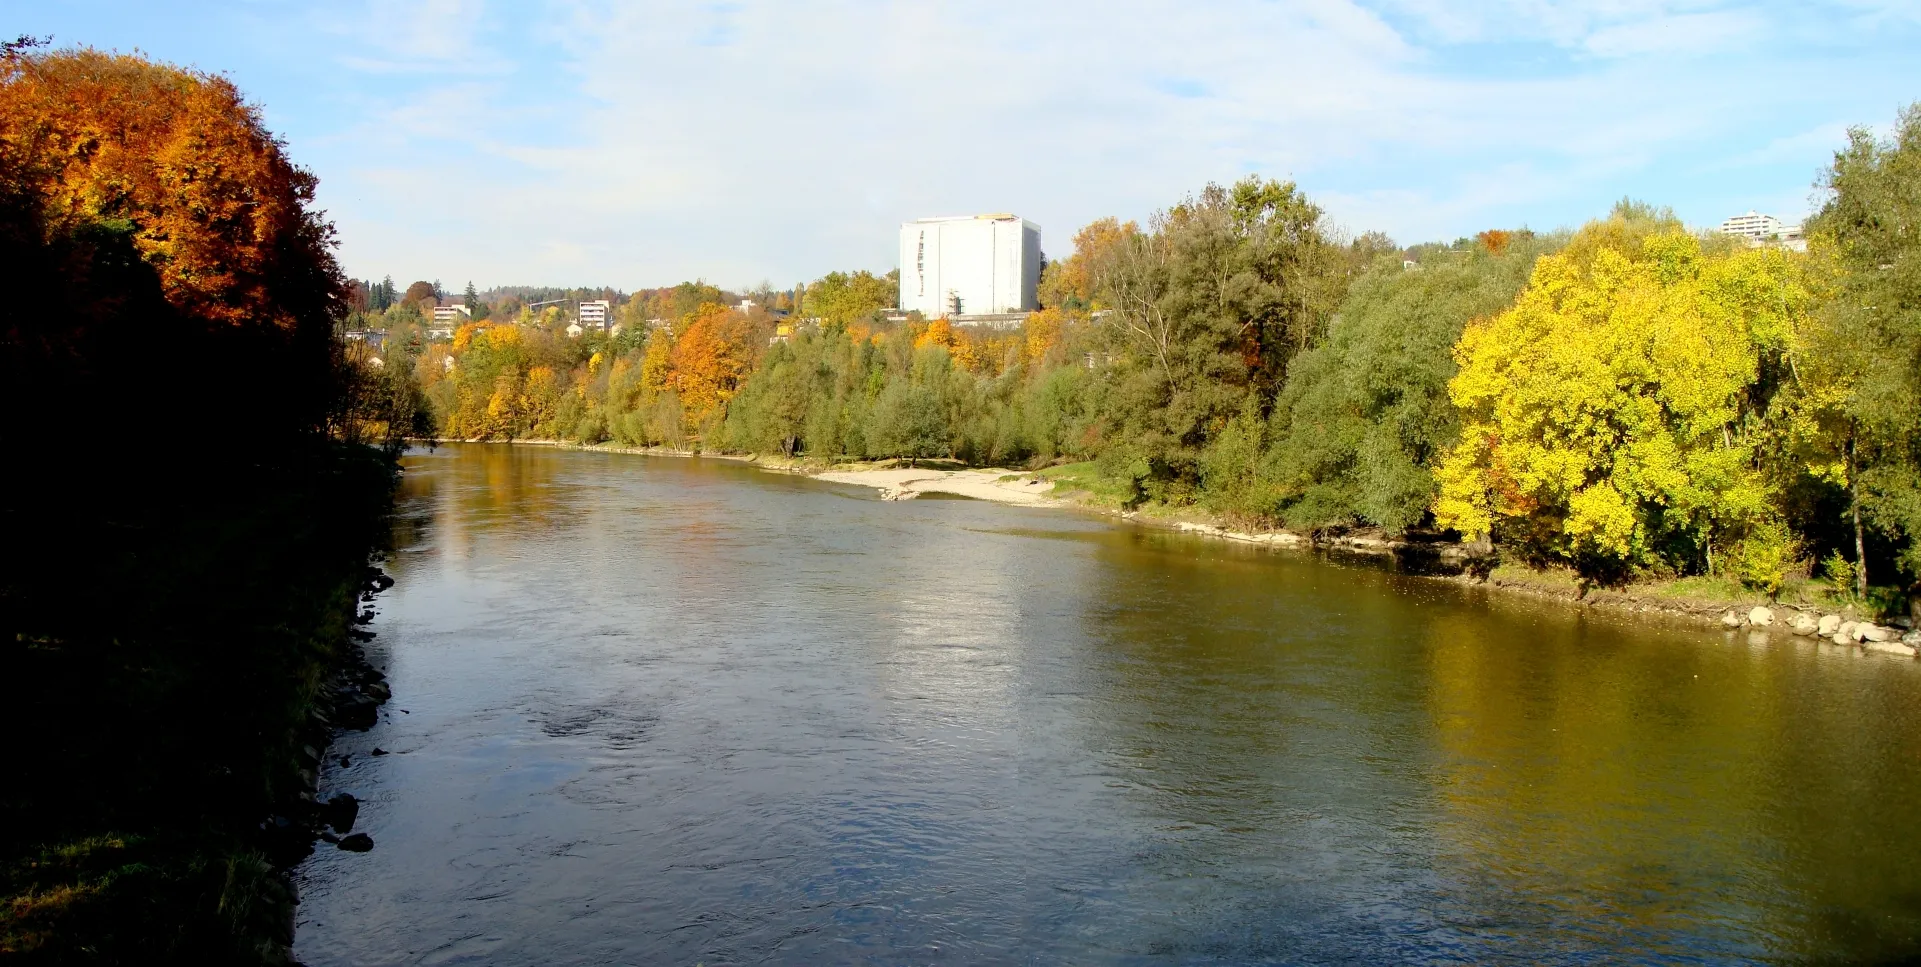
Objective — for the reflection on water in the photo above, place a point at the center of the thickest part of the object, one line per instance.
(675, 711)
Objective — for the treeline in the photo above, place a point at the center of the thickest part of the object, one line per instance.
(188, 509)
(1629, 399)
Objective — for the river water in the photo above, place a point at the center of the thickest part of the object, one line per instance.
(670, 711)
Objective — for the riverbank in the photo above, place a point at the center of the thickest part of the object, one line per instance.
(1701, 601)
(1803, 608)
(182, 662)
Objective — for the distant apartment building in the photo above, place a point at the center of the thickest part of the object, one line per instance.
(595, 314)
(453, 313)
(970, 265)
(1761, 229)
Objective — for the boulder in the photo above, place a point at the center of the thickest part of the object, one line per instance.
(356, 843)
(1760, 617)
(1911, 638)
(1804, 625)
(1841, 639)
(340, 812)
(1846, 630)
(1830, 623)
(1892, 648)
(1731, 620)
(354, 710)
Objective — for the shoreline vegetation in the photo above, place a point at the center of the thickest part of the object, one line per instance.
(183, 623)
(1798, 611)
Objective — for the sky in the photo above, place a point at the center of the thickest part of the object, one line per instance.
(634, 144)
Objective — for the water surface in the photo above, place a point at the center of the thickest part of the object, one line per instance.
(669, 711)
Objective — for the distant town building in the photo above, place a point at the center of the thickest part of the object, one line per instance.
(969, 265)
(746, 305)
(454, 313)
(1761, 229)
(373, 338)
(595, 315)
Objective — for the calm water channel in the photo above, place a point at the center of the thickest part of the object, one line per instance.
(666, 711)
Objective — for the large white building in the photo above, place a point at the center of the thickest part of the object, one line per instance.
(969, 265)
(1761, 229)
(595, 314)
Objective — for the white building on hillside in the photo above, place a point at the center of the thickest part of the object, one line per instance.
(595, 314)
(969, 265)
(1761, 229)
(452, 313)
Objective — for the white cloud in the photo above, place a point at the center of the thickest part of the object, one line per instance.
(643, 143)
(1691, 33)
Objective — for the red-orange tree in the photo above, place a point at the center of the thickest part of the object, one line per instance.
(709, 359)
(173, 225)
(215, 206)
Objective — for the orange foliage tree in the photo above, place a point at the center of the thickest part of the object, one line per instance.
(213, 203)
(1074, 281)
(708, 360)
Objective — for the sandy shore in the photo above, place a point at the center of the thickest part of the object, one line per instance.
(978, 484)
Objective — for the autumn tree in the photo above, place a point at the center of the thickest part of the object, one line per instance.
(708, 360)
(1070, 283)
(1610, 418)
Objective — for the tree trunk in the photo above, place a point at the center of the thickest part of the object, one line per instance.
(1854, 510)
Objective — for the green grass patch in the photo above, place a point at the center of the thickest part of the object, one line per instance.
(1084, 480)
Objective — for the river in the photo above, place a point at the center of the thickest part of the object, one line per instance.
(673, 711)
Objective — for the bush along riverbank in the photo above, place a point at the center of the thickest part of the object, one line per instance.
(180, 664)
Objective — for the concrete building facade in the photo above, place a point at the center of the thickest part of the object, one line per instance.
(1761, 229)
(969, 265)
(595, 314)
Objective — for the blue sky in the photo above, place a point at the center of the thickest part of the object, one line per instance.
(636, 144)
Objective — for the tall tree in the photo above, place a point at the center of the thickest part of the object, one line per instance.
(1208, 309)
(1865, 349)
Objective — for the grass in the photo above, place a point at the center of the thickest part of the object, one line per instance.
(1084, 480)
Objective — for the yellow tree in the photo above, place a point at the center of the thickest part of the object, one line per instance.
(1610, 416)
(1071, 283)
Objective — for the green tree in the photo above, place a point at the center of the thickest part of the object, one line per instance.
(1863, 355)
(1365, 413)
(840, 297)
(1208, 308)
